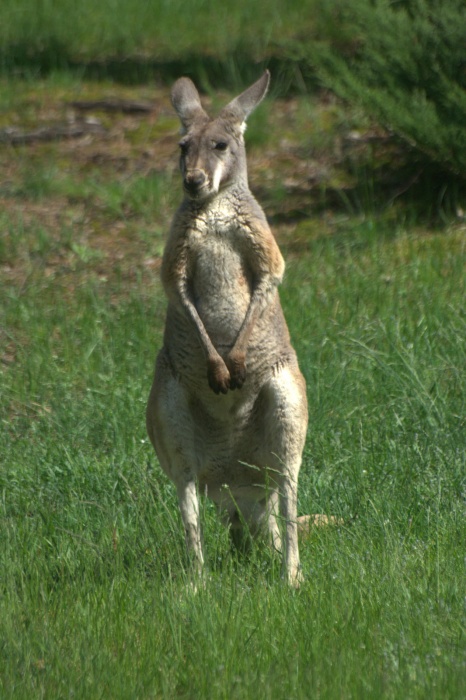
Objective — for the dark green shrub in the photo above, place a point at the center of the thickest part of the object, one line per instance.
(405, 63)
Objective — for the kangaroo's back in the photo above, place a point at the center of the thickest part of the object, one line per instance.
(227, 389)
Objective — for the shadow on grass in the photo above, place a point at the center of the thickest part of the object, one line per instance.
(231, 71)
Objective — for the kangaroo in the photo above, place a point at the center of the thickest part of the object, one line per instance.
(227, 412)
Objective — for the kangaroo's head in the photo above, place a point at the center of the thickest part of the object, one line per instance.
(212, 150)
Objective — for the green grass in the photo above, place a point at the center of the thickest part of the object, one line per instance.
(220, 37)
(96, 598)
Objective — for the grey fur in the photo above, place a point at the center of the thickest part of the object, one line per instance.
(227, 412)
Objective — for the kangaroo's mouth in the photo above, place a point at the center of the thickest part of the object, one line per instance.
(199, 193)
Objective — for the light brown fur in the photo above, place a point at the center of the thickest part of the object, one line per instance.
(227, 412)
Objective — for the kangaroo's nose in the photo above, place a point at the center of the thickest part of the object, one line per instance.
(194, 180)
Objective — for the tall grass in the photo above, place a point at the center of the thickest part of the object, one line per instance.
(96, 598)
(161, 31)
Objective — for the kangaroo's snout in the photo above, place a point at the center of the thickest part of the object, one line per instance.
(194, 181)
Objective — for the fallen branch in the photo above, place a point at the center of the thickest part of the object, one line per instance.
(114, 105)
(15, 136)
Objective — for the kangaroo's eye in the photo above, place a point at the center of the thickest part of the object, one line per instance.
(221, 146)
(183, 147)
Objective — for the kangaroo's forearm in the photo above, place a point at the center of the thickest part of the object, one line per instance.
(260, 299)
(190, 310)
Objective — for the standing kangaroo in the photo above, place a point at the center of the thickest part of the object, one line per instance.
(227, 412)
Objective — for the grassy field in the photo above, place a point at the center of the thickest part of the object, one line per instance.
(95, 595)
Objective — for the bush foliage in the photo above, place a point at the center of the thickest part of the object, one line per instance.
(405, 63)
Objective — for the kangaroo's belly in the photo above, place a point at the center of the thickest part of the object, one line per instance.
(222, 288)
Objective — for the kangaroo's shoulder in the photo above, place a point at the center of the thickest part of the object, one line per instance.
(259, 235)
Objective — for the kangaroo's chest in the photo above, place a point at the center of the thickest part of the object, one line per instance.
(218, 267)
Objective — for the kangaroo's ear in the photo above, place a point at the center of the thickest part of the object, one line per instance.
(241, 107)
(187, 103)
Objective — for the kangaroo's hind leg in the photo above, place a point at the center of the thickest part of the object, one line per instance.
(284, 424)
(172, 432)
